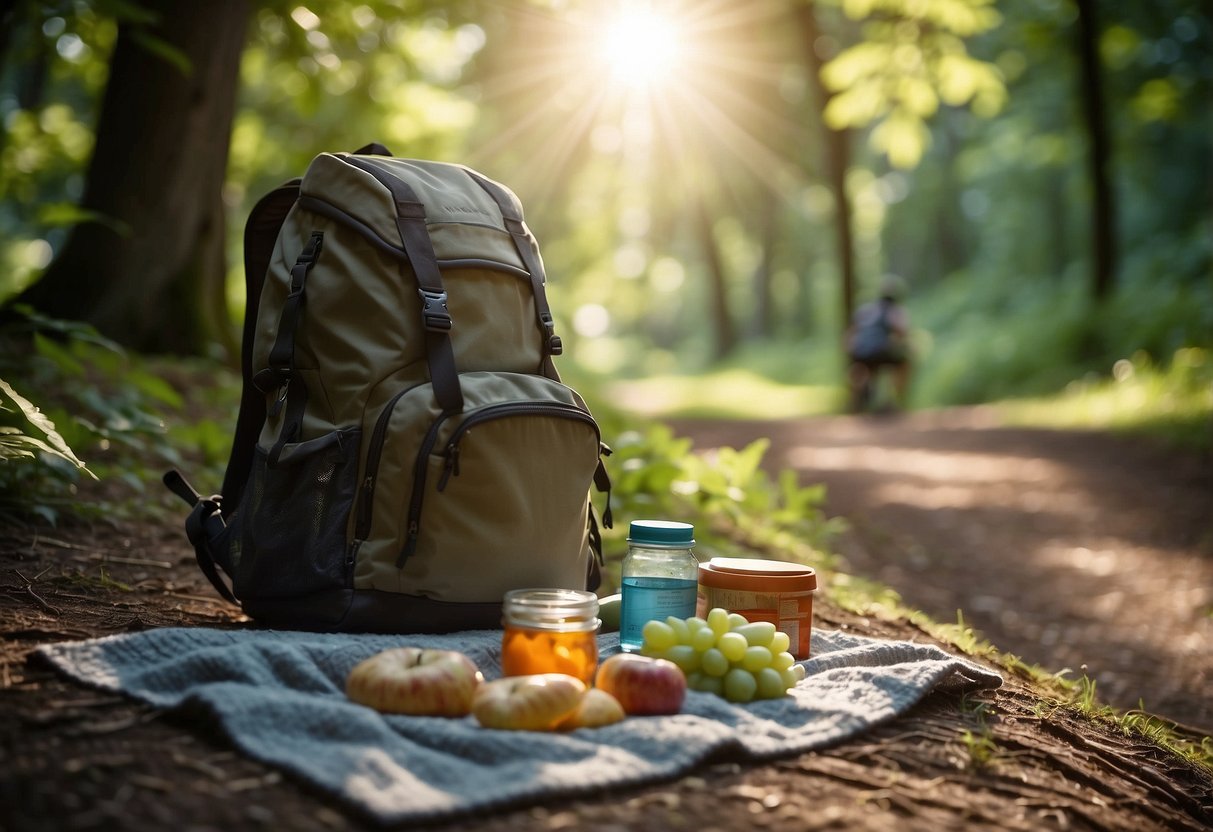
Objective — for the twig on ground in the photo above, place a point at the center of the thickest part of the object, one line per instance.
(29, 588)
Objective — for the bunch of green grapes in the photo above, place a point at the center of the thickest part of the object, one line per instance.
(725, 654)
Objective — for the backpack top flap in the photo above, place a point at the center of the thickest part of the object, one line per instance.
(464, 221)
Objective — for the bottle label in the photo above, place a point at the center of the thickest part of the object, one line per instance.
(644, 599)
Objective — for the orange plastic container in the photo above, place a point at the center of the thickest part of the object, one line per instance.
(762, 590)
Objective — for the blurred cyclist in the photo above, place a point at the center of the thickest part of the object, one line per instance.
(879, 337)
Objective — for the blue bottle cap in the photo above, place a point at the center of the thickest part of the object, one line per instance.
(661, 533)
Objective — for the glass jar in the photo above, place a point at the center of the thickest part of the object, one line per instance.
(550, 631)
(659, 577)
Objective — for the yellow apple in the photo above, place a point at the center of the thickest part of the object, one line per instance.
(536, 702)
(596, 709)
(415, 680)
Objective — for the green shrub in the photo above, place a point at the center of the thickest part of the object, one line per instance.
(92, 397)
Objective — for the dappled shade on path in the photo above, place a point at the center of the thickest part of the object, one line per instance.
(1071, 550)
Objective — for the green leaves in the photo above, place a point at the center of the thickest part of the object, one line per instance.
(16, 445)
(912, 59)
(735, 505)
(93, 399)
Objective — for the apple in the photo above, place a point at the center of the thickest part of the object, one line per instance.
(644, 685)
(415, 680)
(535, 702)
(596, 709)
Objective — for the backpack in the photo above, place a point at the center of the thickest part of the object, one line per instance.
(405, 451)
(872, 339)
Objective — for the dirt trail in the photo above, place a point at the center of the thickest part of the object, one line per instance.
(1066, 549)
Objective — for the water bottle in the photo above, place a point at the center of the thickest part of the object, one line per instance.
(659, 577)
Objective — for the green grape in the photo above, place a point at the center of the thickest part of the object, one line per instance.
(713, 662)
(684, 656)
(705, 683)
(758, 634)
(733, 645)
(756, 658)
(782, 661)
(770, 683)
(736, 620)
(703, 638)
(780, 642)
(651, 652)
(739, 685)
(798, 671)
(718, 620)
(788, 675)
(695, 623)
(659, 635)
(681, 634)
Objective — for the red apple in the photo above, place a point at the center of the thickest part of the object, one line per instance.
(535, 702)
(642, 684)
(596, 709)
(415, 680)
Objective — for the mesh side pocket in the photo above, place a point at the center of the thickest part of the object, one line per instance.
(293, 518)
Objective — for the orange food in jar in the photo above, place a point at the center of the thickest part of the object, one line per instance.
(550, 631)
(525, 651)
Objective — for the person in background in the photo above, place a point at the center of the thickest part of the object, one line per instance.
(879, 337)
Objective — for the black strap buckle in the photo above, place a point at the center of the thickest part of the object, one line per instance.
(434, 312)
(273, 378)
(555, 345)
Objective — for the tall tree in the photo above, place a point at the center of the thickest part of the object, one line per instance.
(837, 159)
(1103, 254)
(722, 322)
(147, 268)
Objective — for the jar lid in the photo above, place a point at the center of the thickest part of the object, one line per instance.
(551, 609)
(754, 574)
(661, 533)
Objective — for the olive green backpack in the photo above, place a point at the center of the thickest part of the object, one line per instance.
(405, 451)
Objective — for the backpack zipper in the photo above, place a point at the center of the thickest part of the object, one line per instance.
(362, 526)
(497, 411)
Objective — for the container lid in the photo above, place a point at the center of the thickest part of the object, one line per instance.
(754, 574)
(661, 533)
(551, 609)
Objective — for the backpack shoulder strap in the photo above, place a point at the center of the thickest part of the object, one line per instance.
(528, 250)
(260, 236)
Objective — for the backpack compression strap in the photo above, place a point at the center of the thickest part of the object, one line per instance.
(435, 316)
(260, 235)
(528, 250)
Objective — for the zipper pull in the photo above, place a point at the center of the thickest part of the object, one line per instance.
(451, 467)
(410, 545)
(364, 507)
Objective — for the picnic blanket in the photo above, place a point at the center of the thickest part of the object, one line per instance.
(279, 697)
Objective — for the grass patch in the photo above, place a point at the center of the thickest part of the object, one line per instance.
(1057, 689)
(732, 393)
(1173, 403)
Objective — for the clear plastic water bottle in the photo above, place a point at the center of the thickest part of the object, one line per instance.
(659, 577)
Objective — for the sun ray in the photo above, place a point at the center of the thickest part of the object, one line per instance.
(685, 86)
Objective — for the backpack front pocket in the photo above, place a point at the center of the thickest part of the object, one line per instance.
(498, 494)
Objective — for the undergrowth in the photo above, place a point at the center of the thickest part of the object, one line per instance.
(106, 414)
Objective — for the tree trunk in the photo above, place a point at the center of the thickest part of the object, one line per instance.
(837, 160)
(149, 271)
(1103, 255)
(764, 272)
(722, 323)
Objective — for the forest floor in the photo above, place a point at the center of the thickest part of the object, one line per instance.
(1065, 549)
